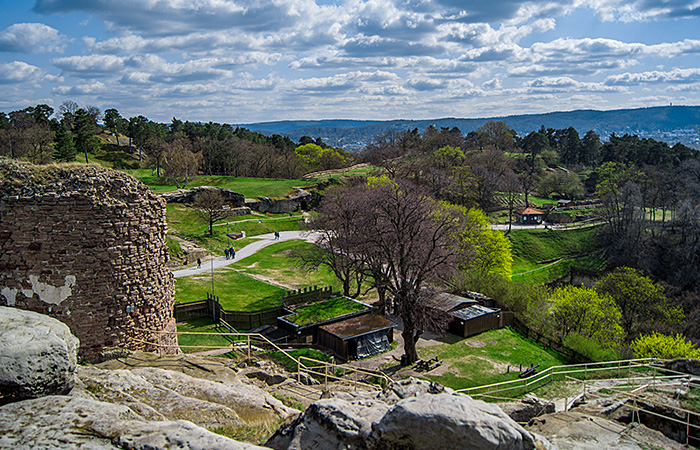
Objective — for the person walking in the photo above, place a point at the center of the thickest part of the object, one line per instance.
(199, 263)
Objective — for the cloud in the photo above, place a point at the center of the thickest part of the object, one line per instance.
(19, 72)
(93, 65)
(644, 10)
(31, 38)
(675, 76)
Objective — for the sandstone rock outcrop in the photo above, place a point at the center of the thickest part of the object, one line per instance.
(409, 415)
(234, 199)
(38, 355)
(85, 245)
(158, 394)
(70, 422)
(528, 408)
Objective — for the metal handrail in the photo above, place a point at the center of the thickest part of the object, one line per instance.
(260, 337)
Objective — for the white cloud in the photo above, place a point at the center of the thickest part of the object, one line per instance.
(19, 72)
(31, 38)
(675, 76)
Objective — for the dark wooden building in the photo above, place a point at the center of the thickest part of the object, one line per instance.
(474, 319)
(358, 337)
(466, 316)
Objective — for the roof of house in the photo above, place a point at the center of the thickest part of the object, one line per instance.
(473, 311)
(529, 211)
(448, 302)
(358, 326)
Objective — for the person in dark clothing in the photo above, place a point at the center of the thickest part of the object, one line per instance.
(226, 253)
(199, 263)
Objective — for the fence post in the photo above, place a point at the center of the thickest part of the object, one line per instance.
(248, 346)
(325, 373)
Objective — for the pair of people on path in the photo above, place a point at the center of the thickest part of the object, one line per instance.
(277, 235)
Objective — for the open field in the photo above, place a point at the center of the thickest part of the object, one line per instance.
(236, 291)
(484, 359)
(277, 262)
(532, 246)
(250, 187)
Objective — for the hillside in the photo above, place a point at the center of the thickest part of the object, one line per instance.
(670, 124)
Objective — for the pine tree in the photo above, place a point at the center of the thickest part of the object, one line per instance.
(64, 147)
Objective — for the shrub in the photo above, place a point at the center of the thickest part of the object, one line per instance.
(589, 348)
(657, 345)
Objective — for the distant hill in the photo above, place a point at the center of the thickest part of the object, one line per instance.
(670, 124)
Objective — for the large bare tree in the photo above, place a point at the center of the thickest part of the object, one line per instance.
(404, 239)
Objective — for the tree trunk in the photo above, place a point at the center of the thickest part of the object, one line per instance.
(409, 346)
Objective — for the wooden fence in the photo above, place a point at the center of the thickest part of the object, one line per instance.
(241, 320)
(307, 295)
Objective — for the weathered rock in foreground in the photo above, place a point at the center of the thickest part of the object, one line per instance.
(528, 408)
(423, 416)
(68, 422)
(157, 394)
(449, 421)
(331, 424)
(38, 355)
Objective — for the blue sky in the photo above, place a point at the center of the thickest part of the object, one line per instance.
(243, 61)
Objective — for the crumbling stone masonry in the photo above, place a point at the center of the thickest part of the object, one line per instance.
(85, 245)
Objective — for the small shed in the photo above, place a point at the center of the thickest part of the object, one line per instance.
(474, 319)
(446, 302)
(529, 216)
(358, 337)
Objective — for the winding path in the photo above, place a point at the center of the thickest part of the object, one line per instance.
(263, 241)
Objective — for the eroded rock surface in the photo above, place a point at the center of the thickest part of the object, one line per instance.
(158, 394)
(38, 355)
(411, 414)
(70, 422)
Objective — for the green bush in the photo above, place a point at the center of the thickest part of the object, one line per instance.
(657, 345)
(589, 348)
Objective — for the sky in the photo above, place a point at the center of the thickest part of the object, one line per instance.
(245, 61)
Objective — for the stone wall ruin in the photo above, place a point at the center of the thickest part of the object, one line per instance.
(85, 245)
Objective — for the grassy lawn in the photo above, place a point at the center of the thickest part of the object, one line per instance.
(484, 359)
(532, 246)
(184, 223)
(328, 309)
(200, 342)
(250, 187)
(278, 262)
(236, 291)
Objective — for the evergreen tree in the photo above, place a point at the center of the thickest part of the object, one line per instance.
(64, 147)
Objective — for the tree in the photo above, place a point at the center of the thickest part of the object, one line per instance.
(84, 128)
(401, 235)
(657, 345)
(642, 302)
(564, 183)
(211, 207)
(511, 188)
(336, 220)
(114, 122)
(179, 161)
(64, 147)
(136, 131)
(66, 112)
(587, 313)
(497, 134)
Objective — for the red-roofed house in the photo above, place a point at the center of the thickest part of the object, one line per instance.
(529, 216)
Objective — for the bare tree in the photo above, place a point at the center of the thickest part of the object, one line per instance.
(336, 223)
(511, 188)
(211, 207)
(407, 242)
